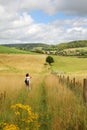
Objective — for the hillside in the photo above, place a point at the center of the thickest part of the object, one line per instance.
(80, 48)
(27, 46)
(4, 49)
(73, 44)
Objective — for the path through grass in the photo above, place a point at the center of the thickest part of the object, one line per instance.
(57, 107)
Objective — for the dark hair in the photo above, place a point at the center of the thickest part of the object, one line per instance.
(27, 75)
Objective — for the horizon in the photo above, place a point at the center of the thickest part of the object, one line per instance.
(43, 43)
(52, 22)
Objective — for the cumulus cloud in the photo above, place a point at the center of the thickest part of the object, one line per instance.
(18, 26)
(74, 7)
(55, 32)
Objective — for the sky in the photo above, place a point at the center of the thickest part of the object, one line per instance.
(42, 21)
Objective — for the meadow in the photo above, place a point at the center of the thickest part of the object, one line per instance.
(13, 50)
(49, 105)
(70, 64)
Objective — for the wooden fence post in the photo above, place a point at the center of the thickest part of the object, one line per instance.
(85, 90)
(74, 82)
(67, 80)
(63, 79)
(4, 95)
(60, 79)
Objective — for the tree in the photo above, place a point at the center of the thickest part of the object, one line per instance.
(49, 59)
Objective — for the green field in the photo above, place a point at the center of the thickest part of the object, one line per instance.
(54, 106)
(80, 48)
(69, 64)
(8, 50)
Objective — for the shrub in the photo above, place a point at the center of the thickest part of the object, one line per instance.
(49, 59)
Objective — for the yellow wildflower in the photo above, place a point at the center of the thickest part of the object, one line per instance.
(17, 113)
(10, 127)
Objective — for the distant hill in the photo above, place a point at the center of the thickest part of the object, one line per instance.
(32, 47)
(73, 44)
(8, 50)
(51, 49)
(61, 46)
(75, 48)
(27, 46)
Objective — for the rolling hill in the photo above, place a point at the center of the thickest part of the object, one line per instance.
(80, 48)
(5, 49)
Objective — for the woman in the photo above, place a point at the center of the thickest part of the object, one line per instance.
(27, 81)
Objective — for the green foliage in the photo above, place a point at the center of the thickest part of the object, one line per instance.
(28, 46)
(74, 52)
(49, 59)
(73, 44)
(38, 51)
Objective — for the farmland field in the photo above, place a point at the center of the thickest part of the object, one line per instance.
(70, 64)
(57, 106)
(8, 50)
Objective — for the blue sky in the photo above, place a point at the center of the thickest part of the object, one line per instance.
(41, 17)
(38, 21)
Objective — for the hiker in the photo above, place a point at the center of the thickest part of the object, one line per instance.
(27, 81)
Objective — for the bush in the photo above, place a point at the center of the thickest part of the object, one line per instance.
(49, 59)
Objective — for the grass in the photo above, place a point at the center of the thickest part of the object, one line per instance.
(58, 107)
(21, 63)
(8, 50)
(65, 107)
(69, 64)
(79, 48)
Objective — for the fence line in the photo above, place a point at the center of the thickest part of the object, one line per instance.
(73, 84)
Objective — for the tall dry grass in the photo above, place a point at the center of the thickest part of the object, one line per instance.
(13, 68)
(62, 105)
(12, 63)
(65, 107)
(60, 102)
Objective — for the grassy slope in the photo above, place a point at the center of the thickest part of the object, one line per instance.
(69, 64)
(80, 48)
(21, 63)
(73, 44)
(35, 64)
(8, 50)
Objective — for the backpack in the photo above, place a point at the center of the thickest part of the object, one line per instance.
(25, 81)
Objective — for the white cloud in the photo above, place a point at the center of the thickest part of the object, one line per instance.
(16, 25)
(44, 5)
(26, 30)
(22, 20)
(74, 7)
